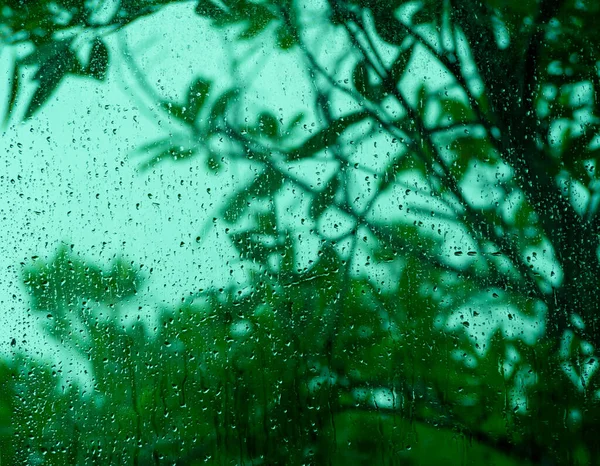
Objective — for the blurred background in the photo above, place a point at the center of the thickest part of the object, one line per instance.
(299, 232)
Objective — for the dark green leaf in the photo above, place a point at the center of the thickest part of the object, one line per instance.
(577, 147)
(266, 222)
(388, 28)
(14, 90)
(297, 119)
(44, 52)
(50, 74)
(469, 150)
(174, 153)
(426, 14)
(325, 198)
(179, 153)
(248, 10)
(159, 144)
(455, 111)
(360, 78)
(265, 184)
(209, 9)
(421, 100)
(389, 175)
(66, 277)
(406, 239)
(219, 108)
(385, 253)
(251, 248)
(213, 163)
(326, 136)
(255, 27)
(98, 64)
(286, 39)
(176, 110)
(197, 95)
(399, 66)
(268, 125)
(287, 262)
(236, 207)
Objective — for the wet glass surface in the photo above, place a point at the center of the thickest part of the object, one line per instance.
(299, 232)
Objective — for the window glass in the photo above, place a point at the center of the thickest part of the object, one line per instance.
(299, 232)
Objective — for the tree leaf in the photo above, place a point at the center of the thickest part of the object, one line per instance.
(362, 83)
(176, 110)
(325, 198)
(196, 98)
(326, 136)
(468, 150)
(455, 111)
(287, 255)
(174, 152)
(219, 108)
(360, 78)
(255, 27)
(266, 222)
(50, 74)
(98, 64)
(268, 125)
(399, 66)
(213, 163)
(385, 253)
(265, 184)
(387, 27)
(422, 97)
(426, 14)
(286, 39)
(236, 207)
(43, 52)
(14, 90)
(297, 119)
(251, 248)
(577, 147)
(209, 9)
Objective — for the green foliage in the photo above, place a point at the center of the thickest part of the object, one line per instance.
(325, 137)
(56, 63)
(262, 186)
(269, 374)
(324, 198)
(196, 98)
(363, 84)
(197, 95)
(99, 59)
(255, 16)
(263, 375)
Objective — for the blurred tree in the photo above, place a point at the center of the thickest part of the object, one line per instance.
(475, 189)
